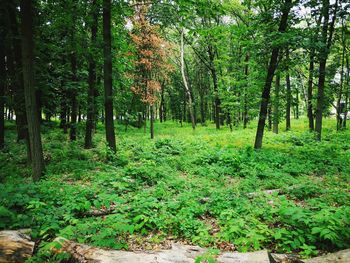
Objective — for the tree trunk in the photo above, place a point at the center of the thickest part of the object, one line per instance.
(74, 109)
(310, 112)
(327, 41)
(216, 88)
(245, 99)
(288, 93)
(340, 90)
(346, 92)
(276, 115)
(151, 108)
(108, 81)
(189, 96)
(14, 63)
(91, 79)
(2, 91)
(269, 116)
(270, 73)
(29, 89)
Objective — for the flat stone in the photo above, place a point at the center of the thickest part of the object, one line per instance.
(249, 257)
(342, 256)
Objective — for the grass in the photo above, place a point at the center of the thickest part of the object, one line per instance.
(190, 186)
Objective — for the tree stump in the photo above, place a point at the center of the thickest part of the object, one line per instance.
(15, 246)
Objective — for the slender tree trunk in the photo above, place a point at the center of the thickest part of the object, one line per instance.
(270, 73)
(189, 96)
(269, 116)
(29, 89)
(92, 78)
(14, 63)
(276, 115)
(310, 112)
(161, 106)
(151, 109)
(340, 90)
(327, 41)
(288, 93)
(245, 99)
(74, 112)
(346, 92)
(108, 81)
(2, 90)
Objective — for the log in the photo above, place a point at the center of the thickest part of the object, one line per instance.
(178, 253)
(15, 246)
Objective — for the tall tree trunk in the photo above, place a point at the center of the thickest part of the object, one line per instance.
(92, 78)
(310, 113)
(265, 97)
(347, 91)
(73, 91)
(340, 90)
(2, 90)
(189, 96)
(288, 93)
(215, 85)
(108, 81)
(151, 109)
(245, 98)
(327, 41)
(276, 115)
(14, 63)
(269, 116)
(29, 89)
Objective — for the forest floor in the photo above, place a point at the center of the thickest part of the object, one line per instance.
(204, 187)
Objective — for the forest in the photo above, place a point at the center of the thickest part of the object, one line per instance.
(132, 124)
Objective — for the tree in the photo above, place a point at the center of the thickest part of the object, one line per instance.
(2, 88)
(107, 71)
(288, 92)
(189, 95)
(151, 62)
(276, 114)
(270, 73)
(326, 40)
(91, 101)
(36, 150)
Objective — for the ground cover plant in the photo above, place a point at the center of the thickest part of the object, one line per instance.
(194, 187)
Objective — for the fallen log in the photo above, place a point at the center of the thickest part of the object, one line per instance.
(178, 253)
(15, 246)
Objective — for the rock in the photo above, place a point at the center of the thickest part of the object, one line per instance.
(342, 256)
(286, 258)
(15, 246)
(249, 257)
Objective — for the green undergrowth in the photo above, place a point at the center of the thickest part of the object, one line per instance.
(184, 185)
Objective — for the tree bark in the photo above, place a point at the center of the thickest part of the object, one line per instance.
(276, 115)
(91, 101)
(2, 91)
(347, 91)
(340, 90)
(151, 109)
(265, 97)
(288, 93)
(29, 88)
(310, 112)
(108, 81)
(245, 99)
(14, 59)
(189, 96)
(327, 36)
